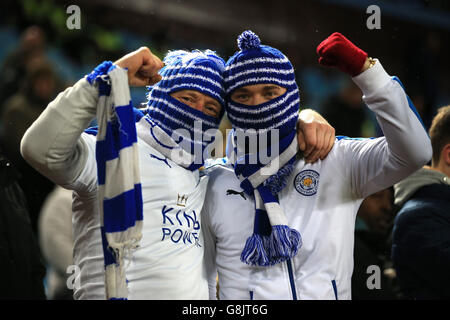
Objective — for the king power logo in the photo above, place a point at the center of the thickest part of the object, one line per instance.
(180, 226)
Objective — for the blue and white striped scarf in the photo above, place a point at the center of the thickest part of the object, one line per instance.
(119, 186)
(272, 241)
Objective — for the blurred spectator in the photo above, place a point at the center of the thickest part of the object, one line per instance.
(421, 238)
(20, 260)
(18, 113)
(55, 238)
(20, 110)
(346, 112)
(373, 225)
(423, 77)
(32, 46)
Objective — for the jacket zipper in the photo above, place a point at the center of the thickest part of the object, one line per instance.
(291, 282)
(291, 279)
(333, 283)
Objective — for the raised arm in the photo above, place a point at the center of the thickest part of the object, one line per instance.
(375, 164)
(54, 144)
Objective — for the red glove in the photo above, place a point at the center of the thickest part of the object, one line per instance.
(337, 51)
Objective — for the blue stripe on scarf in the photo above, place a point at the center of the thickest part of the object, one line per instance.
(262, 223)
(119, 135)
(138, 114)
(104, 89)
(266, 195)
(122, 211)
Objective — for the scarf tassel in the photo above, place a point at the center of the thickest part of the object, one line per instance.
(256, 251)
(282, 244)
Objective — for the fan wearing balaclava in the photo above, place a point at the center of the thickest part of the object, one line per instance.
(272, 126)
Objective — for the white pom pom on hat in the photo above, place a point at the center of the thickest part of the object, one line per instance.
(248, 40)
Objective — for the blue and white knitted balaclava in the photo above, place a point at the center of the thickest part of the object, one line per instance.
(273, 241)
(259, 64)
(184, 70)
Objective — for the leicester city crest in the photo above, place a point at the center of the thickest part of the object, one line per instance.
(306, 182)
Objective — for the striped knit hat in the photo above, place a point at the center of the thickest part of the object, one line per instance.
(184, 70)
(258, 64)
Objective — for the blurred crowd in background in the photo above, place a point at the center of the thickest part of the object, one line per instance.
(40, 57)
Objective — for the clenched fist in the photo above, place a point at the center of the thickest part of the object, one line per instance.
(143, 67)
(337, 51)
(315, 135)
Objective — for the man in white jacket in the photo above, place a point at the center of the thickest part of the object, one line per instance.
(289, 233)
(169, 262)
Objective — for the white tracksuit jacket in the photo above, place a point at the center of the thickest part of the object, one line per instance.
(169, 263)
(321, 201)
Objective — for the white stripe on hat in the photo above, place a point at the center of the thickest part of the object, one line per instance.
(259, 70)
(260, 80)
(193, 76)
(207, 69)
(192, 85)
(257, 60)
